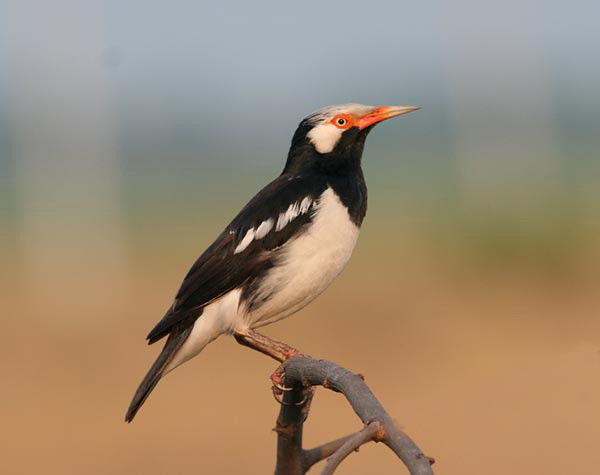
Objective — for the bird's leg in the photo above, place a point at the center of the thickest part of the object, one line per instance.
(275, 349)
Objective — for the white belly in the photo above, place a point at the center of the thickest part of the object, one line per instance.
(308, 264)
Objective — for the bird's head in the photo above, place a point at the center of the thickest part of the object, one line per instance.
(332, 138)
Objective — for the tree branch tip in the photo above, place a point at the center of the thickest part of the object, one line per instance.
(431, 460)
(379, 434)
(352, 444)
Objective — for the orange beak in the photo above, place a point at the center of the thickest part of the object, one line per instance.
(383, 113)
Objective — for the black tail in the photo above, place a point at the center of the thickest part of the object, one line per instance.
(174, 342)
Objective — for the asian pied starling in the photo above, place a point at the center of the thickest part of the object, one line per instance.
(283, 248)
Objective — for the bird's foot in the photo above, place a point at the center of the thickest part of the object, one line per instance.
(284, 396)
(280, 352)
(280, 389)
(277, 380)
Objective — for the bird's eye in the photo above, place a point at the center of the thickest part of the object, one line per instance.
(342, 121)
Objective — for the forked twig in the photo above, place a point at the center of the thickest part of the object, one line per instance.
(303, 372)
(368, 433)
(298, 375)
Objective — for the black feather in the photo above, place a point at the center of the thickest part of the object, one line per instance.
(174, 342)
(218, 270)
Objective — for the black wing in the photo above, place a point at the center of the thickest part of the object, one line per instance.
(219, 269)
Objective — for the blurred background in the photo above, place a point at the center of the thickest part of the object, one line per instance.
(132, 132)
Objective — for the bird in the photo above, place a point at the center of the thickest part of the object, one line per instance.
(282, 250)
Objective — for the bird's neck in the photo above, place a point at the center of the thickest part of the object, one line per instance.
(345, 159)
(344, 176)
(352, 191)
(340, 169)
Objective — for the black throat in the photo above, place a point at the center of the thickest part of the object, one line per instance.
(339, 169)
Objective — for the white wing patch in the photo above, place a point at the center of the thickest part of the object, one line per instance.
(244, 243)
(293, 211)
(263, 229)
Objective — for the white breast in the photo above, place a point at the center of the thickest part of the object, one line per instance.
(308, 264)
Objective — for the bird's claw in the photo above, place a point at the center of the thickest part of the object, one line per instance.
(279, 389)
(279, 397)
(277, 379)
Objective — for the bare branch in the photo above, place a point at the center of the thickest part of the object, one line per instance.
(310, 372)
(294, 409)
(295, 379)
(368, 433)
(316, 454)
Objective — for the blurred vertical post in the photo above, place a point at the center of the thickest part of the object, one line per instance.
(63, 144)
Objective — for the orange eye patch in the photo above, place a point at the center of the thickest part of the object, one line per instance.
(342, 121)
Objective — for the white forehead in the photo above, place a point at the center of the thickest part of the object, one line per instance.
(327, 113)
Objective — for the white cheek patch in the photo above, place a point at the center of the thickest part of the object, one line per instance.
(324, 137)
